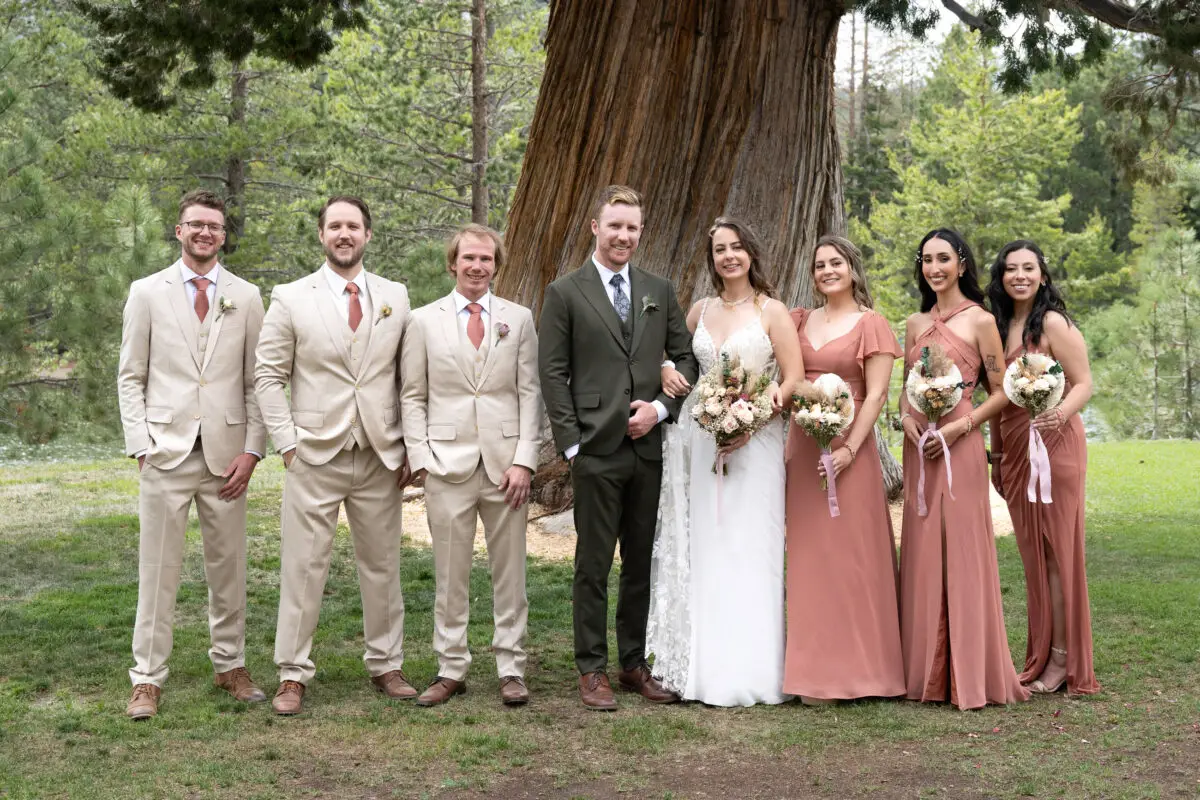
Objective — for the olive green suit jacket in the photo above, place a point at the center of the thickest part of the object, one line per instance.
(592, 367)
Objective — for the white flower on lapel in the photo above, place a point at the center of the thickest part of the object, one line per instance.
(224, 304)
(502, 330)
(648, 304)
(385, 311)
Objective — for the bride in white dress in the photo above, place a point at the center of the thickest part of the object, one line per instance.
(716, 624)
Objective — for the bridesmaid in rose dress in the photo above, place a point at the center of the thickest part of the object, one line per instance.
(1032, 317)
(951, 616)
(843, 627)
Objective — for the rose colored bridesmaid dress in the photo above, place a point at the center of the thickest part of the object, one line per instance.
(1057, 527)
(843, 626)
(951, 615)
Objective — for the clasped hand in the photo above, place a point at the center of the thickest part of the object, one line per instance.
(841, 459)
(950, 431)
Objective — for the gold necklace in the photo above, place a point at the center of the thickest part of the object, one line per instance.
(734, 303)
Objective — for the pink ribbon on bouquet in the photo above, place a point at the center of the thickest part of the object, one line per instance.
(1039, 467)
(827, 462)
(931, 431)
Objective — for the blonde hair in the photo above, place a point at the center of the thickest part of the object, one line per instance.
(616, 195)
(858, 275)
(477, 230)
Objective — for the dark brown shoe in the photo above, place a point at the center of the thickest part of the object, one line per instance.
(394, 685)
(238, 683)
(441, 690)
(641, 681)
(596, 692)
(513, 691)
(289, 699)
(144, 702)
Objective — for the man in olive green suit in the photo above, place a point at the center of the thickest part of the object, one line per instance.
(604, 331)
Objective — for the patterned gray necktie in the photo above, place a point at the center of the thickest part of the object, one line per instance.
(620, 299)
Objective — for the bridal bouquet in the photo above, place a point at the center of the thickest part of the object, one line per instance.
(1036, 382)
(934, 386)
(730, 401)
(824, 409)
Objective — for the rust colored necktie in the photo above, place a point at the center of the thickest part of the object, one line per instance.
(355, 306)
(475, 324)
(201, 303)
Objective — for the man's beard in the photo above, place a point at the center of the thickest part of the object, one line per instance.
(344, 263)
(196, 251)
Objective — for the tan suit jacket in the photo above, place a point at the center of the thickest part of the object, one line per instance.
(303, 344)
(451, 419)
(170, 393)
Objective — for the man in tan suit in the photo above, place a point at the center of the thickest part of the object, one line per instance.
(472, 412)
(334, 336)
(186, 387)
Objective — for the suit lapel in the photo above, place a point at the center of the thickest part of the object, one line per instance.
(223, 286)
(367, 327)
(454, 342)
(636, 280)
(323, 298)
(499, 314)
(597, 296)
(185, 314)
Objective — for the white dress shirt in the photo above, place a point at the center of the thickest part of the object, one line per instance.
(606, 276)
(337, 285)
(463, 315)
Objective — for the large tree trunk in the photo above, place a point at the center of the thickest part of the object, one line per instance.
(235, 167)
(708, 108)
(479, 113)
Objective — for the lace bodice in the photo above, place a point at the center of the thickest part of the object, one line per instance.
(750, 342)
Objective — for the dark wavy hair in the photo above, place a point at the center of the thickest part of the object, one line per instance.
(968, 282)
(759, 281)
(1048, 298)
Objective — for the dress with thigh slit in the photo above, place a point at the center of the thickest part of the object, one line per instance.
(951, 615)
(1054, 529)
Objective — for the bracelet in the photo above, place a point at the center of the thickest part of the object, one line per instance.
(853, 451)
(994, 456)
(970, 421)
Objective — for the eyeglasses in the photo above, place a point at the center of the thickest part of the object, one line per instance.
(215, 227)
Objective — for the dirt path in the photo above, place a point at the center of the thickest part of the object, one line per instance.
(553, 537)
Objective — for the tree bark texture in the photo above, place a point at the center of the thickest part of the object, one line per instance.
(708, 108)
(235, 167)
(479, 113)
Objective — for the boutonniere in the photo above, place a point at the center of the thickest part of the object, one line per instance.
(224, 304)
(385, 311)
(502, 330)
(648, 304)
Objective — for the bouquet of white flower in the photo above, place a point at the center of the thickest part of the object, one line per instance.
(1036, 382)
(731, 401)
(824, 409)
(934, 387)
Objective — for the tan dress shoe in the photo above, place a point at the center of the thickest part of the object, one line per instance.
(394, 685)
(513, 691)
(144, 703)
(441, 690)
(596, 692)
(238, 683)
(641, 681)
(289, 699)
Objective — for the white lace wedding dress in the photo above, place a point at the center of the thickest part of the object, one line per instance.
(716, 605)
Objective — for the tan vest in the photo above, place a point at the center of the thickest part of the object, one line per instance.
(356, 345)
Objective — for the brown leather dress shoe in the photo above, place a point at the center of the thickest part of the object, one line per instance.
(289, 699)
(513, 691)
(144, 702)
(641, 681)
(441, 690)
(238, 683)
(394, 685)
(596, 692)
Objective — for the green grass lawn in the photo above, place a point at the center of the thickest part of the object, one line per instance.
(68, 571)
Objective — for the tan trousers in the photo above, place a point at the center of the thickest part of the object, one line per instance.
(452, 509)
(164, 498)
(312, 496)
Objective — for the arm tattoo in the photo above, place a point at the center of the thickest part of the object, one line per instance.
(991, 364)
